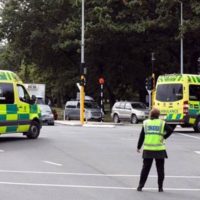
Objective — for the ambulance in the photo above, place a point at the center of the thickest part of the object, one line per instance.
(18, 112)
(177, 96)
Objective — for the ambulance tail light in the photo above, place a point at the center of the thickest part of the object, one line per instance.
(185, 107)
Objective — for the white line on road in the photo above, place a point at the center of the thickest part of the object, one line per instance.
(198, 152)
(93, 187)
(99, 125)
(89, 174)
(52, 163)
(198, 138)
(1, 151)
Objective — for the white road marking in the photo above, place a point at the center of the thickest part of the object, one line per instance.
(198, 152)
(177, 189)
(99, 125)
(94, 187)
(1, 151)
(88, 174)
(198, 138)
(52, 163)
(74, 123)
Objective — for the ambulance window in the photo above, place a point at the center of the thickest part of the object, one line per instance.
(23, 94)
(194, 92)
(6, 93)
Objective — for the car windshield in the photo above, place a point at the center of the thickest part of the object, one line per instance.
(91, 105)
(138, 105)
(169, 92)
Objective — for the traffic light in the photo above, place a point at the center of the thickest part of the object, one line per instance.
(82, 81)
(146, 82)
(149, 83)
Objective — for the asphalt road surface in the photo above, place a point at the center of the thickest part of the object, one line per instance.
(94, 163)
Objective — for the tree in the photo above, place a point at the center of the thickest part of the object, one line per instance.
(45, 35)
(120, 36)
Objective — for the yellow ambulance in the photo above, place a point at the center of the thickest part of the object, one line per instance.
(178, 98)
(18, 112)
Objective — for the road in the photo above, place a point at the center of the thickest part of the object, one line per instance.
(94, 163)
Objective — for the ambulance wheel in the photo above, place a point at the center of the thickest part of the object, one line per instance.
(196, 127)
(34, 130)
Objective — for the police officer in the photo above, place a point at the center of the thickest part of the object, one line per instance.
(152, 136)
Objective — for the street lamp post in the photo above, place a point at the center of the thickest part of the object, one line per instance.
(152, 62)
(152, 80)
(82, 32)
(181, 40)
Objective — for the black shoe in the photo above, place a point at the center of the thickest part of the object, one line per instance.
(160, 190)
(139, 189)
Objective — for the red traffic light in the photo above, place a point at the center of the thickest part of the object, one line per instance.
(101, 81)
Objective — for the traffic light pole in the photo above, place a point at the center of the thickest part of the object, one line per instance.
(82, 90)
(101, 100)
(153, 84)
(149, 92)
(101, 82)
(82, 100)
(149, 86)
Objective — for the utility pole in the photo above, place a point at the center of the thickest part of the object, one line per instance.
(152, 62)
(181, 41)
(152, 68)
(153, 82)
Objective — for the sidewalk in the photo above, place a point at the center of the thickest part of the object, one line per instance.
(86, 124)
(93, 123)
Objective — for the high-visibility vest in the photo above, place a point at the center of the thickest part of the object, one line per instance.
(154, 132)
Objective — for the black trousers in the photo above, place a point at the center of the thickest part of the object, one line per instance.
(147, 163)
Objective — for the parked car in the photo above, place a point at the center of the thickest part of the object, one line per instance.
(46, 114)
(92, 110)
(129, 111)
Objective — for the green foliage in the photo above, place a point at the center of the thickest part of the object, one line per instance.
(45, 34)
(43, 43)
